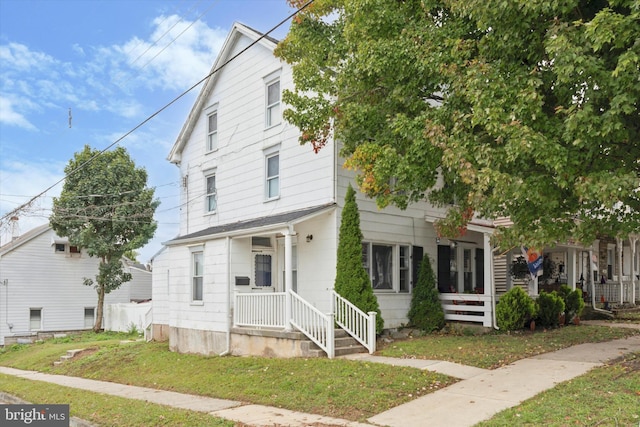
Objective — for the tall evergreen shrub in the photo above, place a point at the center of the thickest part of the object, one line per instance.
(352, 281)
(426, 312)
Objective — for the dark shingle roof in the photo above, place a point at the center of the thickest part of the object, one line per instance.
(273, 220)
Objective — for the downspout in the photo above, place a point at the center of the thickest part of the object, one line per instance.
(229, 315)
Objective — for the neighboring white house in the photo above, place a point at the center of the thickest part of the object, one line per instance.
(42, 290)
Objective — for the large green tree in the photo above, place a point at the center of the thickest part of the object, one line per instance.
(105, 208)
(352, 281)
(527, 109)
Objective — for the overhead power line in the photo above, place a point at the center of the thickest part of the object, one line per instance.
(26, 205)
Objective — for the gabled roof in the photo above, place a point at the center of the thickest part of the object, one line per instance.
(26, 237)
(247, 227)
(237, 31)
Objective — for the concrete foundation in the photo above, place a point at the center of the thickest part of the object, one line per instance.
(271, 343)
(160, 332)
(197, 341)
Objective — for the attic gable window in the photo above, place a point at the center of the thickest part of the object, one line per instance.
(60, 248)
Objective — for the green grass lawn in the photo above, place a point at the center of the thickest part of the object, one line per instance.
(338, 388)
(605, 396)
(495, 349)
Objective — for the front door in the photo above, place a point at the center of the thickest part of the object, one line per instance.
(263, 277)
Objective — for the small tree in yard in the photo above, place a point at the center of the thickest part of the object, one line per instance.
(105, 208)
(352, 281)
(426, 312)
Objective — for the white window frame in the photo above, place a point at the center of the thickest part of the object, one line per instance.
(197, 275)
(368, 261)
(269, 154)
(273, 109)
(212, 134)
(32, 325)
(210, 196)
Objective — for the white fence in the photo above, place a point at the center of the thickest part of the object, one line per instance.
(467, 308)
(123, 317)
(360, 325)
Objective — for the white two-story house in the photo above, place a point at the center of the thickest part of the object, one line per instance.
(260, 218)
(42, 290)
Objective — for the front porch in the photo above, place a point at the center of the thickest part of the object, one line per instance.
(282, 324)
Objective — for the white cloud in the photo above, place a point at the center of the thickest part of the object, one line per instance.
(9, 116)
(19, 183)
(177, 54)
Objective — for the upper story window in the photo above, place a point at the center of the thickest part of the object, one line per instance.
(273, 176)
(212, 131)
(67, 249)
(211, 196)
(273, 115)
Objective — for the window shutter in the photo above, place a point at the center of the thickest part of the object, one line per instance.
(444, 268)
(417, 253)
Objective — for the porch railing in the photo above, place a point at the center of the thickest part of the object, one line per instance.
(264, 310)
(317, 326)
(610, 292)
(360, 325)
(467, 307)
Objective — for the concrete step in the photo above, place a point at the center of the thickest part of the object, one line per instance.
(70, 355)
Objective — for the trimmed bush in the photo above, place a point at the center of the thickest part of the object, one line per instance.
(352, 281)
(550, 307)
(426, 312)
(514, 310)
(573, 302)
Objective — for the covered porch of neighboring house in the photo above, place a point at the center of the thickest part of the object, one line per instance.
(466, 275)
(594, 269)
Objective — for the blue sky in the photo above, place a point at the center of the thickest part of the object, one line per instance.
(112, 64)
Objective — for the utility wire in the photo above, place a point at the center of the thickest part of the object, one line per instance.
(145, 121)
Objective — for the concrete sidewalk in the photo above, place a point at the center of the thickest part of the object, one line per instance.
(480, 395)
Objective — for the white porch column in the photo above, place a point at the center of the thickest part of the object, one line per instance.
(572, 276)
(619, 243)
(634, 262)
(488, 278)
(288, 273)
(592, 289)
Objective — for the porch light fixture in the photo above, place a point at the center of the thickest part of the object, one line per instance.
(309, 237)
(453, 245)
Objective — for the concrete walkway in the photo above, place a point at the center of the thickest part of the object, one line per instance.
(479, 396)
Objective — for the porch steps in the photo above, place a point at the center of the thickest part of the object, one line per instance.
(344, 344)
